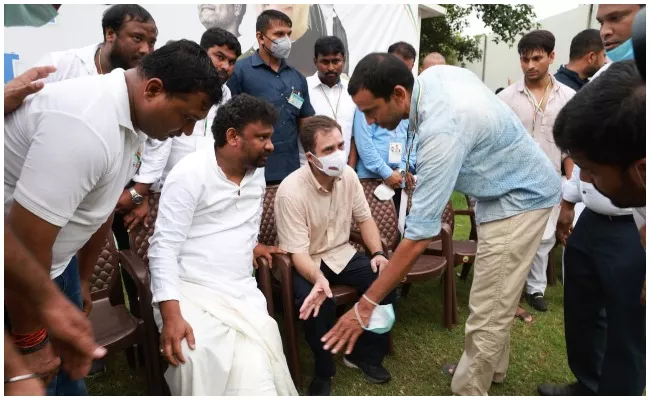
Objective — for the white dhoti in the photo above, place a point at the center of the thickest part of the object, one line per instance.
(238, 349)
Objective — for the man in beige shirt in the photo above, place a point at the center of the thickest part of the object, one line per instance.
(314, 208)
(537, 99)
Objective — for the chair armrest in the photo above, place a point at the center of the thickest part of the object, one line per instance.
(356, 237)
(135, 267)
(447, 245)
(466, 211)
(264, 281)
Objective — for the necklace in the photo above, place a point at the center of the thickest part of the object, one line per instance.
(335, 112)
(537, 107)
(99, 62)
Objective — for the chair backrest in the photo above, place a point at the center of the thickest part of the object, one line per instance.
(268, 233)
(139, 236)
(106, 269)
(383, 212)
(448, 216)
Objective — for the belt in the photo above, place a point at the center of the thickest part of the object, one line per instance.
(621, 218)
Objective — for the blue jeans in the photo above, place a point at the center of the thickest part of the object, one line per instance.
(69, 284)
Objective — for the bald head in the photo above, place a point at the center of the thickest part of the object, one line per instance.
(433, 59)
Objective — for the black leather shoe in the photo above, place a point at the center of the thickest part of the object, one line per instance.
(320, 387)
(373, 373)
(551, 389)
(536, 300)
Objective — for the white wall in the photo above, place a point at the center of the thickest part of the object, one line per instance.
(369, 27)
(502, 61)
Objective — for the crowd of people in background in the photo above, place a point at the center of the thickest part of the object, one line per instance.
(92, 133)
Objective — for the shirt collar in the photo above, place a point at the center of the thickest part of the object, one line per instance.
(572, 74)
(520, 85)
(257, 61)
(120, 94)
(87, 56)
(314, 82)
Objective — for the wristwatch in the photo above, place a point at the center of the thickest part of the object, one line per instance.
(378, 253)
(136, 198)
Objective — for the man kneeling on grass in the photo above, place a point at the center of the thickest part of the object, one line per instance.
(215, 330)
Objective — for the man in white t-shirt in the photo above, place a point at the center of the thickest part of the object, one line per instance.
(328, 92)
(215, 329)
(70, 150)
(130, 33)
(159, 157)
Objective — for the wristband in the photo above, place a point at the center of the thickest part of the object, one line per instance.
(378, 253)
(35, 348)
(20, 378)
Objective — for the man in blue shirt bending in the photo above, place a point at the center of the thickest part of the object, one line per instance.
(470, 141)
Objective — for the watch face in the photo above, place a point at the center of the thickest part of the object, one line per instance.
(137, 200)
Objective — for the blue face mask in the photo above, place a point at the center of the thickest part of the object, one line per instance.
(623, 52)
(381, 319)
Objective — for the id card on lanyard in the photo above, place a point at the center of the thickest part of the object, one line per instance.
(412, 130)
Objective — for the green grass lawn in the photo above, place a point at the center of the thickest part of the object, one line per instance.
(422, 346)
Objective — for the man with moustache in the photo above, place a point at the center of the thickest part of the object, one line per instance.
(69, 151)
(586, 57)
(536, 99)
(328, 92)
(605, 335)
(130, 33)
(159, 157)
(215, 329)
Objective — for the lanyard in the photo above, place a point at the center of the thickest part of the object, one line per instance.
(410, 133)
(335, 112)
(537, 107)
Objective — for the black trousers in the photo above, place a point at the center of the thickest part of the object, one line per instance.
(603, 317)
(371, 347)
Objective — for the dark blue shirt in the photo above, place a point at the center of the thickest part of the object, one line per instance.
(570, 78)
(254, 77)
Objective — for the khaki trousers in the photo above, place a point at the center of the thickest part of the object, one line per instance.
(505, 252)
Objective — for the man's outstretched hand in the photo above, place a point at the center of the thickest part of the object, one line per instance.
(347, 330)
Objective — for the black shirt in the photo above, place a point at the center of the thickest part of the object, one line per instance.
(570, 78)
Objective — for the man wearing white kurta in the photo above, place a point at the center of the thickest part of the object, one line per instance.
(215, 329)
(159, 157)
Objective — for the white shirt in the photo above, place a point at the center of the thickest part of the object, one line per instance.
(69, 152)
(576, 191)
(160, 157)
(71, 63)
(206, 230)
(335, 103)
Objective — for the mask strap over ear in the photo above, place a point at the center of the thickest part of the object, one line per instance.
(639, 174)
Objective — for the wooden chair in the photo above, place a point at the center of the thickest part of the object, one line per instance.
(427, 266)
(137, 263)
(114, 327)
(282, 282)
(464, 251)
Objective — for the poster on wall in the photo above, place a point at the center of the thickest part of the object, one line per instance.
(363, 28)
(310, 22)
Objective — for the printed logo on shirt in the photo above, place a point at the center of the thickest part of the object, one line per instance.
(137, 159)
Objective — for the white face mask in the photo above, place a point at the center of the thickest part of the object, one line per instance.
(382, 318)
(280, 48)
(331, 164)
